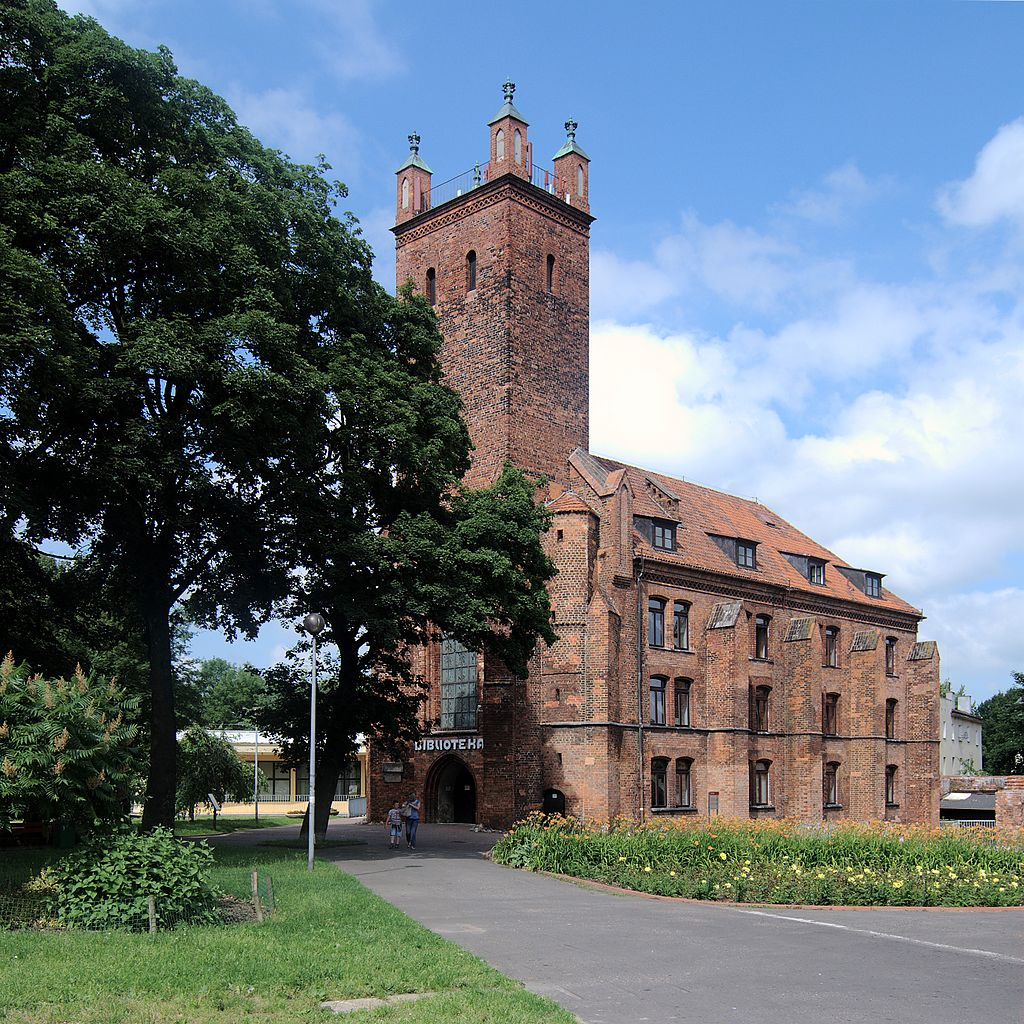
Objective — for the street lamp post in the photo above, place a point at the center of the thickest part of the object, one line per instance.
(256, 774)
(312, 623)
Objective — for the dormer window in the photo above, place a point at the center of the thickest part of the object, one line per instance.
(869, 583)
(813, 569)
(872, 584)
(742, 552)
(659, 533)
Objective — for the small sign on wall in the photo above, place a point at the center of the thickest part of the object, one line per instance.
(392, 771)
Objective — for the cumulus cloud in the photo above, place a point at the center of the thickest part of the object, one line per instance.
(995, 191)
(287, 120)
(883, 418)
(355, 45)
(841, 192)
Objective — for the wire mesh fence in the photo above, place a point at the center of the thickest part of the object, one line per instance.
(31, 901)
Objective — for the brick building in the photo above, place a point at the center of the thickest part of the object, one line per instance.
(711, 659)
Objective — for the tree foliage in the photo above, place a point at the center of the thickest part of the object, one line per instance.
(208, 764)
(1002, 734)
(70, 747)
(218, 694)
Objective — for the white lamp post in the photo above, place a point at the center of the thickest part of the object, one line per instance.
(312, 623)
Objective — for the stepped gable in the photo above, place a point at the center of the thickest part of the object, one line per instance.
(701, 511)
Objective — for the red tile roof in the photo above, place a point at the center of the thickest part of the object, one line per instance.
(701, 511)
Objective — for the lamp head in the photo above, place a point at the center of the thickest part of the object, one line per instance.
(313, 623)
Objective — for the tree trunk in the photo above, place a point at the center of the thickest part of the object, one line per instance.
(163, 745)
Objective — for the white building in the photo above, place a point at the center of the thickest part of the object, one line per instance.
(960, 738)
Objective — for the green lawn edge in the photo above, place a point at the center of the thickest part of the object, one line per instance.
(330, 938)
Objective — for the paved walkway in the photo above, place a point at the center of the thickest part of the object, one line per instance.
(616, 959)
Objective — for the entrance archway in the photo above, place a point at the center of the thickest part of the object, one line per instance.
(451, 792)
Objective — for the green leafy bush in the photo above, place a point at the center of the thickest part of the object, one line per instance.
(70, 747)
(106, 881)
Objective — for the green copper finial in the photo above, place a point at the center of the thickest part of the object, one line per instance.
(414, 142)
(477, 178)
(570, 145)
(510, 89)
(414, 159)
(570, 130)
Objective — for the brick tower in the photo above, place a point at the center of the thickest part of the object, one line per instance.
(502, 253)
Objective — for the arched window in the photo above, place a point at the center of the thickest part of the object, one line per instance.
(681, 693)
(890, 718)
(890, 786)
(431, 285)
(830, 784)
(499, 145)
(551, 274)
(579, 179)
(684, 791)
(470, 270)
(458, 686)
(760, 697)
(832, 647)
(681, 626)
(656, 622)
(830, 714)
(405, 193)
(659, 782)
(658, 700)
(760, 784)
(761, 627)
(890, 655)
(517, 146)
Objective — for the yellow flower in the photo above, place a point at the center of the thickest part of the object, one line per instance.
(746, 862)
(728, 885)
(897, 884)
(819, 875)
(648, 870)
(621, 859)
(721, 856)
(672, 873)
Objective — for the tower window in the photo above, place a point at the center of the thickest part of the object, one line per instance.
(470, 270)
(517, 146)
(759, 698)
(551, 274)
(579, 179)
(458, 686)
(890, 656)
(890, 786)
(499, 145)
(431, 285)
(405, 193)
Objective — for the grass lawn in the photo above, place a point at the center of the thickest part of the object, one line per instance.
(330, 938)
(205, 826)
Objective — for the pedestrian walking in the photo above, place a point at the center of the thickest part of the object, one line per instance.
(394, 825)
(412, 820)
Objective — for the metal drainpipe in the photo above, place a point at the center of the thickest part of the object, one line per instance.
(638, 576)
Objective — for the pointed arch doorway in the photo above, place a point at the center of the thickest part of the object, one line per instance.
(451, 792)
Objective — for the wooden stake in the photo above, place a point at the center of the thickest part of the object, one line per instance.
(151, 904)
(257, 906)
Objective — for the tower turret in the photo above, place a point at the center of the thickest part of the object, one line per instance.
(413, 181)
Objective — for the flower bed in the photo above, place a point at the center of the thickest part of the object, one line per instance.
(780, 861)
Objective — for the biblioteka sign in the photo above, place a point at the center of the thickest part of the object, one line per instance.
(450, 743)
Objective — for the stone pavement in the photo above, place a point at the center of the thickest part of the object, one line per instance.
(616, 959)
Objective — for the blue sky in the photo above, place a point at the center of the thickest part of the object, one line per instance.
(808, 261)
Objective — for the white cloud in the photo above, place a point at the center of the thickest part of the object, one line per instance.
(842, 191)
(285, 119)
(995, 191)
(355, 46)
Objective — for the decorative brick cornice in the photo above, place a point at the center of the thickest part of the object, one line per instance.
(507, 187)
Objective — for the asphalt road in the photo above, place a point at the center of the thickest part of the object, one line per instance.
(617, 959)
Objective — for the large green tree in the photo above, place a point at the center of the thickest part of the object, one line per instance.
(1002, 734)
(164, 283)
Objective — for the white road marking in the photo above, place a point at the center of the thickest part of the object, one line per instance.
(886, 935)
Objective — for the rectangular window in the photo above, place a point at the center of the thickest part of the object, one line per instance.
(684, 798)
(657, 700)
(815, 571)
(890, 786)
(745, 557)
(761, 626)
(760, 791)
(890, 656)
(681, 626)
(458, 686)
(659, 782)
(682, 702)
(830, 714)
(872, 584)
(759, 708)
(890, 719)
(830, 785)
(664, 536)
(831, 647)
(656, 622)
